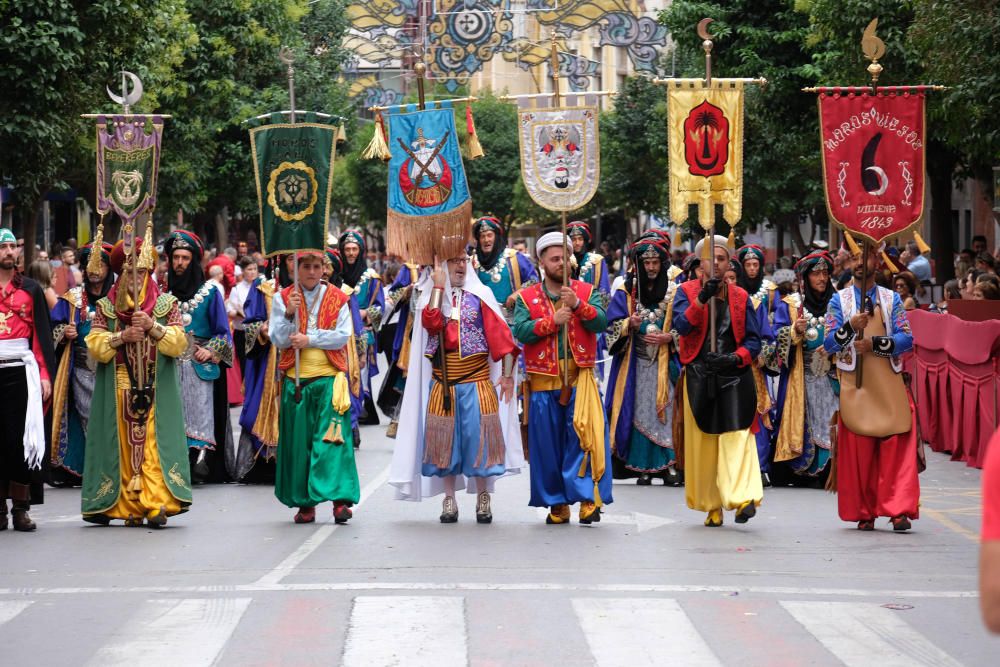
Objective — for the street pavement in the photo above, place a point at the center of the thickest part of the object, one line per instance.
(235, 582)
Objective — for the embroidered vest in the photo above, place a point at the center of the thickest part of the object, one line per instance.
(471, 332)
(688, 346)
(542, 356)
(847, 358)
(326, 318)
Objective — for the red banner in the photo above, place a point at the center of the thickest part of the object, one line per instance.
(873, 159)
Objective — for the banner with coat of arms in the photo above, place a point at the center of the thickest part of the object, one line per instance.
(705, 138)
(560, 156)
(128, 163)
(429, 206)
(293, 167)
(873, 159)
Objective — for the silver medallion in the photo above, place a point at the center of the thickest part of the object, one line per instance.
(811, 334)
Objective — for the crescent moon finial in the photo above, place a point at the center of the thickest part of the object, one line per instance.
(286, 55)
(703, 28)
(127, 99)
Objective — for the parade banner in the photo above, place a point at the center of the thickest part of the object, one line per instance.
(873, 159)
(128, 163)
(293, 166)
(429, 208)
(560, 156)
(705, 140)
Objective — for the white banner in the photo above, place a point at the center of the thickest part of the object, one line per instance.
(560, 156)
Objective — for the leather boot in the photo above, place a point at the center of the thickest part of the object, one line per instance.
(20, 494)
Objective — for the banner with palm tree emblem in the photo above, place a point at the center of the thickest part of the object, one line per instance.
(705, 130)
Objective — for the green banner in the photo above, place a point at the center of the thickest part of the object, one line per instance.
(293, 165)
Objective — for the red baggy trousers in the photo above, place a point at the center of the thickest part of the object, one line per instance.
(877, 476)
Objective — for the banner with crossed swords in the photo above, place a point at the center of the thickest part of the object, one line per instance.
(428, 200)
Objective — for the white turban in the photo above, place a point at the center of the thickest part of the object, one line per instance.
(720, 242)
(549, 240)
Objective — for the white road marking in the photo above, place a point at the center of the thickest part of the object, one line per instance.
(790, 591)
(11, 608)
(633, 632)
(862, 634)
(319, 536)
(641, 521)
(191, 632)
(416, 631)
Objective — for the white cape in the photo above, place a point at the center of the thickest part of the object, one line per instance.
(407, 456)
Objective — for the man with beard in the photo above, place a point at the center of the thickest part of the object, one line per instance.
(203, 313)
(876, 451)
(806, 385)
(261, 383)
(567, 434)
(639, 333)
(316, 456)
(25, 383)
(402, 299)
(136, 467)
(74, 382)
(364, 287)
(502, 269)
(721, 470)
(470, 430)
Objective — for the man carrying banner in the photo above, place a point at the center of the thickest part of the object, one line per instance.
(721, 470)
(74, 382)
(568, 440)
(640, 393)
(25, 382)
(468, 428)
(364, 286)
(136, 466)
(203, 313)
(502, 269)
(876, 449)
(316, 455)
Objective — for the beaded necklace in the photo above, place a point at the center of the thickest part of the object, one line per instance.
(192, 304)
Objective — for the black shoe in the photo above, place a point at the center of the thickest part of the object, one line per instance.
(746, 512)
(765, 479)
(99, 519)
(899, 523)
(644, 480)
(672, 478)
(3, 514)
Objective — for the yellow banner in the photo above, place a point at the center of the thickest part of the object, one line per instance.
(705, 135)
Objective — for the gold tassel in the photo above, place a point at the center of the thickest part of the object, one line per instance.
(341, 134)
(888, 263)
(708, 248)
(475, 148)
(731, 241)
(135, 485)
(94, 265)
(335, 433)
(921, 244)
(852, 245)
(378, 148)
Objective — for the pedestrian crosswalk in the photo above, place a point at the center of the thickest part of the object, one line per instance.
(454, 630)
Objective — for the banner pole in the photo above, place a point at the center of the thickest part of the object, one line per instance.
(859, 360)
(286, 56)
(557, 102)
